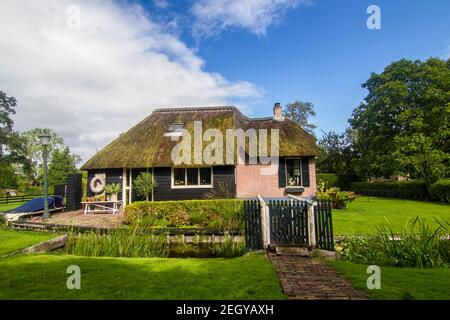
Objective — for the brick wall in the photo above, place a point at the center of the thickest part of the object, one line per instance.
(252, 180)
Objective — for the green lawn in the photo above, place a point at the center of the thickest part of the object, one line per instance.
(45, 277)
(7, 207)
(365, 214)
(11, 241)
(400, 283)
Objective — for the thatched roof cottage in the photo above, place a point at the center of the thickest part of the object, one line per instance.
(149, 146)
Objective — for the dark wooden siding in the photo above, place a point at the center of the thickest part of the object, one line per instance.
(112, 176)
(164, 190)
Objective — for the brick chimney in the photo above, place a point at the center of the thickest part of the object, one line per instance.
(278, 112)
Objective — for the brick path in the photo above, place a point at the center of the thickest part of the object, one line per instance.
(310, 279)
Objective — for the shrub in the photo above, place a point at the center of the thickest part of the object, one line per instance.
(228, 248)
(2, 221)
(217, 214)
(440, 190)
(335, 195)
(418, 247)
(131, 243)
(330, 179)
(415, 190)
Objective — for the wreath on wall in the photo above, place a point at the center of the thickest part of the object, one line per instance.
(98, 183)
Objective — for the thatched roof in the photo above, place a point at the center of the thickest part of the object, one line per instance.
(145, 145)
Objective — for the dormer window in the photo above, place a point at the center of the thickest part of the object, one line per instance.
(174, 130)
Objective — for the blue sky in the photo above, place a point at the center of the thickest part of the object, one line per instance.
(104, 65)
(323, 52)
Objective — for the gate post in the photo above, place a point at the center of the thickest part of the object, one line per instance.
(311, 223)
(265, 222)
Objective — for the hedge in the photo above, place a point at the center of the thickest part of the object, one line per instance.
(440, 190)
(415, 190)
(330, 179)
(215, 214)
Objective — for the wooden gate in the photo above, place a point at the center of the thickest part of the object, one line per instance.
(253, 228)
(288, 221)
(288, 224)
(324, 225)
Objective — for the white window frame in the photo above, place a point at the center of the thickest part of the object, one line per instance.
(197, 186)
(286, 171)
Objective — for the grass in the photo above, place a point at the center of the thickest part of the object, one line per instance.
(44, 277)
(365, 214)
(11, 241)
(6, 207)
(400, 283)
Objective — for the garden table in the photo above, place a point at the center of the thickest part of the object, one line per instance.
(101, 206)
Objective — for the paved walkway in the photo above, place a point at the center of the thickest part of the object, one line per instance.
(310, 279)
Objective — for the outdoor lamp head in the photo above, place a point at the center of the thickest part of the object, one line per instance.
(44, 140)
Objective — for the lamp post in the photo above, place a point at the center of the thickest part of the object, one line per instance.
(45, 141)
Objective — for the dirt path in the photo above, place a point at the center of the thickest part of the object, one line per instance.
(305, 278)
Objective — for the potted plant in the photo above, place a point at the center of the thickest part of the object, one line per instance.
(112, 190)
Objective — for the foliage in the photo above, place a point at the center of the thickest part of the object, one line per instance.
(113, 188)
(300, 112)
(131, 243)
(13, 158)
(224, 190)
(415, 190)
(335, 195)
(217, 214)
(228, 248)
(440, 190)
(145, 183)
(403, 125)
(418, 247)
(34, 151)
(329, 179)
(62, 164)
(2, 221)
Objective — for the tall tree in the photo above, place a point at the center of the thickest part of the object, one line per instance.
(301, 112)
(403, 125)
(336, 153)
(12, 147)
(62, 164)
(34, 150)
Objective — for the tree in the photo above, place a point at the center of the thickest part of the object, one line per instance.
(403, 125)
(336, 153)
(145, 183)
(12, 147)
(62, 164)
(34, 150)
(300, 112)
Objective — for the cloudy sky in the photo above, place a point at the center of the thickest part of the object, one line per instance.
(91, 69)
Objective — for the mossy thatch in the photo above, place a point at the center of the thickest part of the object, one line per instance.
(145, 145)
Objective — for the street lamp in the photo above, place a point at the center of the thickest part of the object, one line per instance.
(44, 139)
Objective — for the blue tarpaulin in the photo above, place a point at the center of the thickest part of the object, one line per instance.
(37, 205)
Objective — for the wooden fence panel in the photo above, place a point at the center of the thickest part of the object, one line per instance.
(253, 228)
(324, 225)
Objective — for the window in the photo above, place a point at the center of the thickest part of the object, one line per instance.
(192, 178)
(294, 172)
(205, 176)
(179, 177)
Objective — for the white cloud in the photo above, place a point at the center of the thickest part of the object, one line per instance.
(213, 16)
(93, 83)
(161, 3)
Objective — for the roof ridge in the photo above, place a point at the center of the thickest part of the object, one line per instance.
(196, 109)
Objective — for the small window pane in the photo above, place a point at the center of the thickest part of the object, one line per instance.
(205, 176)
(178, 177)
(294, 177)
(192, 177)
